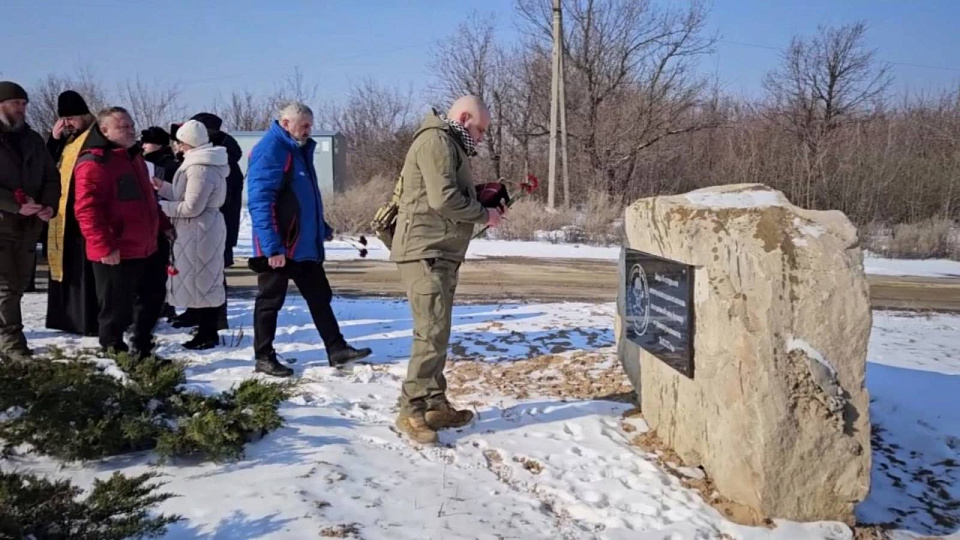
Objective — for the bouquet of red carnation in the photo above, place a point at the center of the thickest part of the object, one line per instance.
(21, 197)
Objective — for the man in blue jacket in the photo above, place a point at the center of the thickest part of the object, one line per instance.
(288, 235)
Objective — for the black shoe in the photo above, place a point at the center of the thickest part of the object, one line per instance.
(187, 319)
(201, 343)
(268, 365)
(347, 356)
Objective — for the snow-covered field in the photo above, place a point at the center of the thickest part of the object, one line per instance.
(535, 464)
(341, 250)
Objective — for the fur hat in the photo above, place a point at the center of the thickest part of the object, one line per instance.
(155, 135)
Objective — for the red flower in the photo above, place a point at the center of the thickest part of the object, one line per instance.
(531, 184)
(172, 270)
(20, 196)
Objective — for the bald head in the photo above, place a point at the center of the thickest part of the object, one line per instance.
(472, 115)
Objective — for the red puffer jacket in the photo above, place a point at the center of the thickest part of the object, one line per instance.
(115, 202)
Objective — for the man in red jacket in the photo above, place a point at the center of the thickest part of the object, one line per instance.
(120, 220)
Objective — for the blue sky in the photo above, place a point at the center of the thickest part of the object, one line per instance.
(213, 47)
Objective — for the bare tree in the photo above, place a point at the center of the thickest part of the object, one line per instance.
(825, 82)
(526, 101)
(43, 96)
(471, 62)
(151, 104)
(245, 111)
(378, 123)
(295, 87)
(633, 81)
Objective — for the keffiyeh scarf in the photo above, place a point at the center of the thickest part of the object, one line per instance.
(468, 143)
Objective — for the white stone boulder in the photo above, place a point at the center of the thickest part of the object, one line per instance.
(777, 412)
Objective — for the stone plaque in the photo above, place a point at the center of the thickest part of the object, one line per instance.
(657, 307)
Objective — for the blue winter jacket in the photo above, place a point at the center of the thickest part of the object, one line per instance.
(285, 222)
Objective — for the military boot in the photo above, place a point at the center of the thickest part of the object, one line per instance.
(415, 427)
(444, 416)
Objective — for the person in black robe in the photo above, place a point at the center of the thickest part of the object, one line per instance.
(71, 301)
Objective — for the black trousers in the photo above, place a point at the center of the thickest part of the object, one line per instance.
(312, 282)
(131, 292)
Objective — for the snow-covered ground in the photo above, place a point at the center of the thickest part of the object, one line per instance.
(342, 250)
(535, 464)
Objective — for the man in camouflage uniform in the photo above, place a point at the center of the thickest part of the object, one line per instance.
(438, 210)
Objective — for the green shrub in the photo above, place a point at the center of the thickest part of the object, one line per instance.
(70, 408)
(118, 508)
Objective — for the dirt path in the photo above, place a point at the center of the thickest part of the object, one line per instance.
(515, 278)
(584, 280)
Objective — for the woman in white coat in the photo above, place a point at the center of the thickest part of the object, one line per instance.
(192, 202)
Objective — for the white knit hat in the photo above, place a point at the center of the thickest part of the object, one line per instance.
(193, 133)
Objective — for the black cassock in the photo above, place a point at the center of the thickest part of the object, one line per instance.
(72, 303)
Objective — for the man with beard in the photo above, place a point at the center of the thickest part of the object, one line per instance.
(71, 292)
(230, 209)
(29, 190)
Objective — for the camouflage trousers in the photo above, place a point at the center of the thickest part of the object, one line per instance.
(430, 285)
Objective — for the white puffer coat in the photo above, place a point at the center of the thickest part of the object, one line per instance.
(193, 204)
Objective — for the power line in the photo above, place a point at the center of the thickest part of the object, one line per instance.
(779, 49)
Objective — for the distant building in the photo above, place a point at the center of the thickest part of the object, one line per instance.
(330, 157)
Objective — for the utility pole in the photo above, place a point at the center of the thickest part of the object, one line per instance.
(558, 106)
(563, 124)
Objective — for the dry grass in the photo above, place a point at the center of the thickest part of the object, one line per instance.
(352, 210)
(526, 217)
(598, 221)
(930, 239)
(602, 218)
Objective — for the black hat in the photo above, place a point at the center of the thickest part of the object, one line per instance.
(12, 90)
(155, 135)
(173, 130)
(71, 104)
(209, 120)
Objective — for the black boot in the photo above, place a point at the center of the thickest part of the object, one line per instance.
(222, 323)
(202, 341)
(346, 356)
(187, 319)
(268, 365)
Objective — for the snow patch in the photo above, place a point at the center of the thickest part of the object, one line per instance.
(809, 229)
(936, 268)
(795, 344)
(12, 413)
(736, 199)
